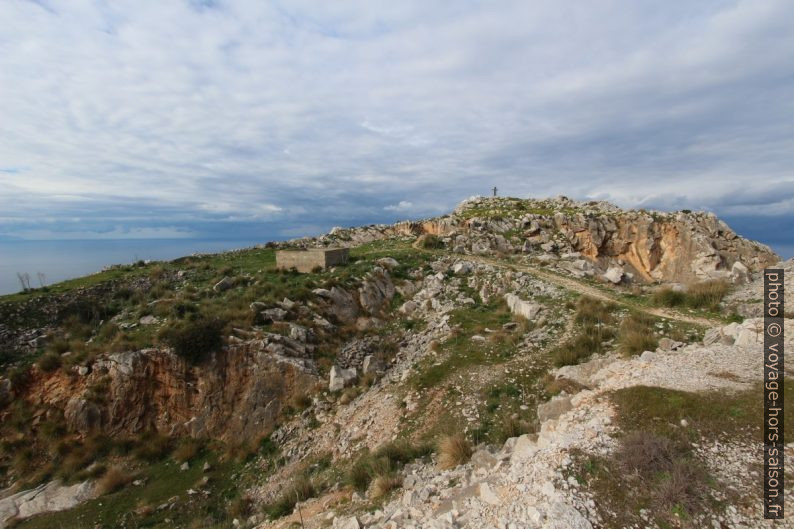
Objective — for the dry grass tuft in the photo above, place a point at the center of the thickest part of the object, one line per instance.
(453, 450)
(116, 478)
(636, 334)
(384, 484)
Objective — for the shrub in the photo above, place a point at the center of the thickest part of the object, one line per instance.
(240, 507)
(671, 480)
(429, 242)
(194, 340)
(114, 479)
(453, 450)
(590, 340)
(49, 362)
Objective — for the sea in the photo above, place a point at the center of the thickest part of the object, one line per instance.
(67, 259)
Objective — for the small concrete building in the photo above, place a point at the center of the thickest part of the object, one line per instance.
(307, 260)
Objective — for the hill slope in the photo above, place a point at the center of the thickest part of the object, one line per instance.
(539, 335)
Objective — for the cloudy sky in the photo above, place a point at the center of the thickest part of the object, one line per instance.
(258, 119)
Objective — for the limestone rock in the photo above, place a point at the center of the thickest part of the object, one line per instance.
(522, 308)
(553, 408)
(48, 497)
(341, 378)
(224, 284)
(614, 274)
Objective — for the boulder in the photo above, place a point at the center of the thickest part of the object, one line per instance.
(274, 314)
(48, 497)
(488, 495)
(461, 268)
(148, 320)
(341, 378)
(409, 307)
(388, 262)
(522, 308)
(614, 274)
(344, 306)
(371, 364)
(524, 447)
(344, 522)
(554, 408)
(740, 273)
(223, 285)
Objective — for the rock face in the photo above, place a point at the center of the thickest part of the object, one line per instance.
(235, 394)
(651, 246)
(48, 497)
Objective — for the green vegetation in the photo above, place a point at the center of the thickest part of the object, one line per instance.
(595, 318)
(637, 334)
(194, 340)
(459, 351)
(453, 450)
(705, 295)
(656, 467)
(385, 462)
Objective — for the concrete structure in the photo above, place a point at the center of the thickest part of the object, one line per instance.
(307, 260)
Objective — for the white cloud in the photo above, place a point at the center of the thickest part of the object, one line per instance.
(323, 113)
(403, 205)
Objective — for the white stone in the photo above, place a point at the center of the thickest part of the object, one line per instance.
(341, 378)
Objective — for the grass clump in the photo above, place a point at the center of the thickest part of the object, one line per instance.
(591, 311)
(384, 484)
(187, 449)
(453, 450)
(115, 479)
(704, 295)
(384, 463)
(636, 334)
(429, 242)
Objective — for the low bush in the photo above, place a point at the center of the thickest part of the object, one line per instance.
(152, 447)
(385, 484)
(589, 340)
(194, 340)
(49, 362)
(429, 242)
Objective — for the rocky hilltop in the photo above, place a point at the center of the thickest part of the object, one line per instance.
(639, 245)
(516, 363)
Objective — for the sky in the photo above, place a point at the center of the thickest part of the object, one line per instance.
(253, 118)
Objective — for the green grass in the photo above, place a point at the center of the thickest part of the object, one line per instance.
(637, 334)
(655, 466)
(460, 352)
(705, 295)
(164, 480)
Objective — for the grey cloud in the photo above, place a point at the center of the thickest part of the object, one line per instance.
(201, 113)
